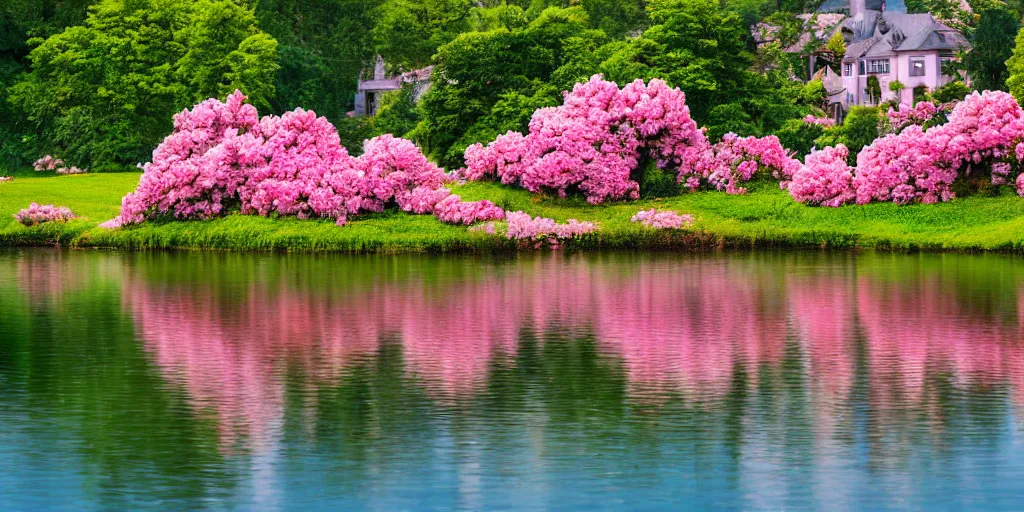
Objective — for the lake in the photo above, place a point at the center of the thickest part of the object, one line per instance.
(735, 381)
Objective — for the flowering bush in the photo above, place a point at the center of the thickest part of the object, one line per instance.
(594, 141)
(195, 170)
(982, 135)
(906, 115)
(737, 160)
(523, 227)
(662, 220)
(71, 170)
(825, 179)
(36, 214)
(826, 122)
(222, 155)
(48, 163)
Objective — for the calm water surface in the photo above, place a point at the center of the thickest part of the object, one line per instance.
(548, 382)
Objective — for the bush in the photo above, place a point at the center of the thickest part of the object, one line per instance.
(953, 91)
(798, 135)
(859, 129)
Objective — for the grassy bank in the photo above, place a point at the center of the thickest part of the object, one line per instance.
(763, 218)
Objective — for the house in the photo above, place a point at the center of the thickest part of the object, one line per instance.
(371, 88)
(882, 40)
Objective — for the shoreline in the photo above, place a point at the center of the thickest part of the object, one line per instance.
(765, 218)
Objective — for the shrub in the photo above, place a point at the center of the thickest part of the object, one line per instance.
(798, 135)
(953, 91)
(982, 135)
(825, 179)
(36, 214)
(595, 141)
(736, 160)
(521, 226)
(221, 156)
(662, 220)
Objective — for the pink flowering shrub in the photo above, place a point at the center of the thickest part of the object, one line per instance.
(663, 219)
(37, 214)
(48, 163)
(195, 170)
(825, 179)
(982, 134)
(736, 160)
(222, 156)
(825, 122)
(71, 170)
(521, 226)
(594, 141)
(906, 115)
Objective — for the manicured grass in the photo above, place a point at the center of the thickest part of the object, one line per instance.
(765, 217)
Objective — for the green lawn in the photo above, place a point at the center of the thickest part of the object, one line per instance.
(765, 217)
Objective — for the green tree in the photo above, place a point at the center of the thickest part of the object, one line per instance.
(408, 32)
(103, 94)
(874, 88)
(485, 83)
(1015, 68)
(322, 47)
(694, 45)
(21, 20)
(992, 46)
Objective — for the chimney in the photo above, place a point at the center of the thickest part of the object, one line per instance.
(857, 7)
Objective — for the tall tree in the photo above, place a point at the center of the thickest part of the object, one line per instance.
(104, 93)
(992, 46)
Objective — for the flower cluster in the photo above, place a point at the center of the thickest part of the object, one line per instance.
(222, 155)
(54, 164)
(71, 170)
(663, 219)
(826, 122)
(594, 141)
(37, 214)
(825, 179)
(48, 163)
(521, 226)
(736, 160)
(983, 132)
(906, 115)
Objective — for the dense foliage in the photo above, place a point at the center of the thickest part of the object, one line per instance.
(102, 93)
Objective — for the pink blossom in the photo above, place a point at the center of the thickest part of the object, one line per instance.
(826, 122)
(48, 163)
(663, 219)
(37, 214)
(916, 165)
(906, 115)
(736, 160)
(594, 141)
(825, 179)
(521, 226)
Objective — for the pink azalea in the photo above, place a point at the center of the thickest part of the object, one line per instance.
(37, 214)
(663, 219)
(825, 179)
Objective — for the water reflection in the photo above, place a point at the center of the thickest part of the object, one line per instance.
(746, 381)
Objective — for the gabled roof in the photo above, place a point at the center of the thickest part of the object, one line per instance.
(875, 33)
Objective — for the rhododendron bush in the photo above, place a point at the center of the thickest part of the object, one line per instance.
(600, 137)
(825, 179)
(980, 142)
(222, 155)
(37, 214)
(736, 160)
(662, 219)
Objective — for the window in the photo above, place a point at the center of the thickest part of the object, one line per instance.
(879, 66)
(860, 68)
(848, 69)
(917, 66)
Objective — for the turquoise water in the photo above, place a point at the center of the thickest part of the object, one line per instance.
(755, 381)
